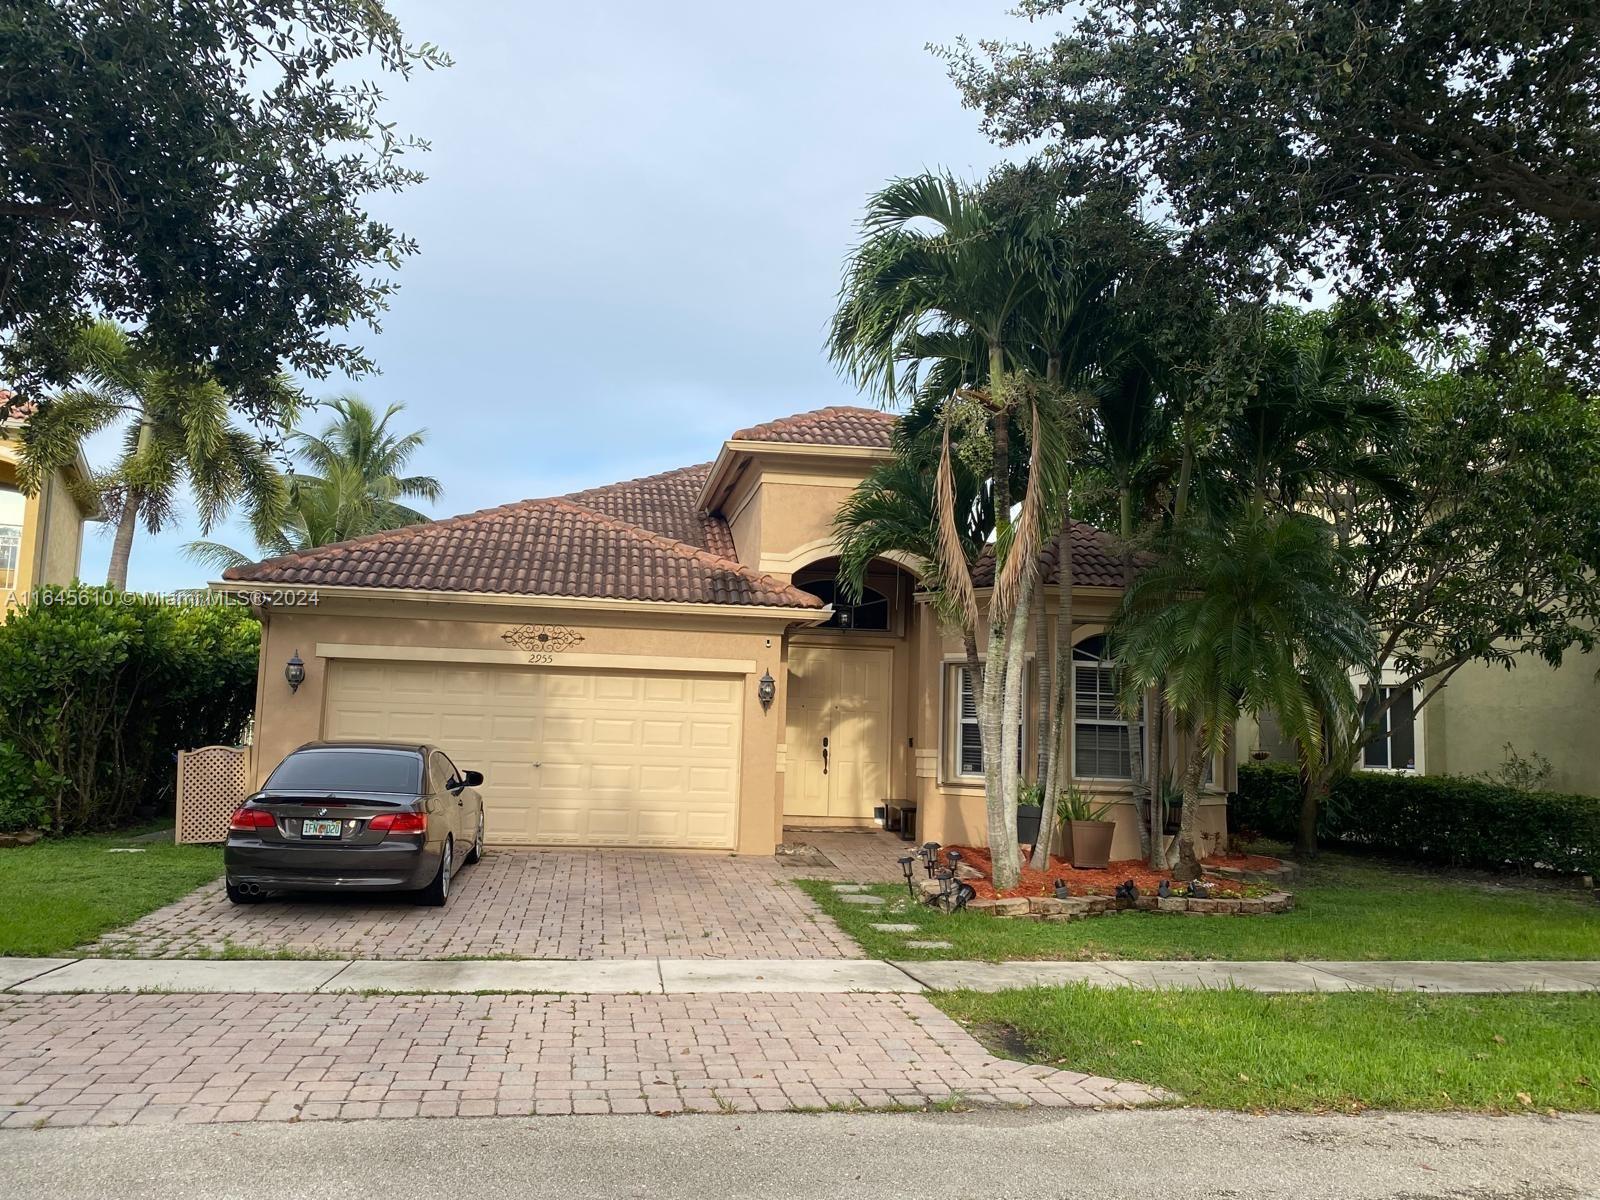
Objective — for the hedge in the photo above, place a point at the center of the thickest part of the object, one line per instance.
(1429, 818)
(100, 689)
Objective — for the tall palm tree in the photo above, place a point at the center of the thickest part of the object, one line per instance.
(1240, 615)
(938, 266)
(351, 485)
(179, 431)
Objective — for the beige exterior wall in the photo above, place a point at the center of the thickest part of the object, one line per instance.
(623, 638)
(1535, 707)
(780, 501)
(52, 530)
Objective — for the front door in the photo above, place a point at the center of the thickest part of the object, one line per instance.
(838, 732)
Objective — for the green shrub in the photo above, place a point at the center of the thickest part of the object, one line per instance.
(99, 690)
(1431, 818)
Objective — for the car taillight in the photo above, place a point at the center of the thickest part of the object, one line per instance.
(251, 818)
(405, 822)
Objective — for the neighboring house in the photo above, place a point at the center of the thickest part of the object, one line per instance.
(41, 536)
(1465, 728)
(603, 656)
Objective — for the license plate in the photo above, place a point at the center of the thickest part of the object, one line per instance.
(320, 829)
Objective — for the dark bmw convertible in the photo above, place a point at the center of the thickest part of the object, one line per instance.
(371, 815)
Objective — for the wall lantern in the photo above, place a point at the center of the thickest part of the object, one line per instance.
(766, 690)
(295, 672)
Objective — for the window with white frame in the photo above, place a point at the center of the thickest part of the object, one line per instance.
(1394, 748)
(1102, 738)
(965, 736)
(13, 506)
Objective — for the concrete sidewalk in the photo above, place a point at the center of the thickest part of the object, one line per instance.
(663, 976)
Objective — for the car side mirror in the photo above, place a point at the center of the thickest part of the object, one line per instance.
(472, 779)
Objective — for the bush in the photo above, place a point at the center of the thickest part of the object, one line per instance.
(1431, 818)
(98, 692)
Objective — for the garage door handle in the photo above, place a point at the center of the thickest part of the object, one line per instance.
(824, 756)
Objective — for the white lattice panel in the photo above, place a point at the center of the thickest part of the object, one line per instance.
(212, 782)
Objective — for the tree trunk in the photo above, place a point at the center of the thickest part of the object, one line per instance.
(122, 544)
(1314, 781)
(1058, 768)
(1002, 809)
(1188, 865)
(1000, 816)
(1152, 812)
(1042, 683)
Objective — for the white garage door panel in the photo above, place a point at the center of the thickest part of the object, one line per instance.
(598, 759)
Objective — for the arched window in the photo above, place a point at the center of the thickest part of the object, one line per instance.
(1102, 739)
(869, 614)
(13, 507)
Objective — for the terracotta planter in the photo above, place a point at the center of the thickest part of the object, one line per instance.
(1091, 843)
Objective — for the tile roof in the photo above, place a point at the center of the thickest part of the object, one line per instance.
(841, 425)
(1096, 560)
(19, 411)
(666, 503)
(550, 547)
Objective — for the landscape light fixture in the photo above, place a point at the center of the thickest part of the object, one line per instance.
(906, 866)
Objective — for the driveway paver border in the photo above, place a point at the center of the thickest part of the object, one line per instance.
(687, 976)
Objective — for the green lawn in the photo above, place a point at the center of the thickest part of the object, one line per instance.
(61, 894)
(1235, 1049)
(1346, 908)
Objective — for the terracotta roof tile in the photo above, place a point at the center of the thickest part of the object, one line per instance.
(1096, 560)
(666, 503)
(21, 410)
(535, 547)
(840, 425)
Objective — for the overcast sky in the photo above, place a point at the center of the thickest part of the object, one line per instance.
(632, 230)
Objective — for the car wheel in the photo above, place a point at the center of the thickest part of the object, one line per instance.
(476, 852)
(437, 892)
(240, 896)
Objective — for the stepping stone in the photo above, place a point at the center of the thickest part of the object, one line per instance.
(915, 945)
(865, 899)
(895, 927)
(849, 888)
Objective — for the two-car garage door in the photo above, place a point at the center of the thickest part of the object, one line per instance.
(603, 758)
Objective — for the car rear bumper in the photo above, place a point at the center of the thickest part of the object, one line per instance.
(390, 865)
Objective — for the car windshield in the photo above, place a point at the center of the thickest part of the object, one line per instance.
(353, 770)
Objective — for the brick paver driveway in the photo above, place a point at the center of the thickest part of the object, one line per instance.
(546, 904)
(111, 1060)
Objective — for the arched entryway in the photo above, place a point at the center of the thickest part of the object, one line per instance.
(843, 717)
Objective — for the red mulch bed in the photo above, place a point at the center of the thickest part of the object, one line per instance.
(1102, 882)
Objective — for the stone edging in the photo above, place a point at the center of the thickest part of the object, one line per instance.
(1077, 908)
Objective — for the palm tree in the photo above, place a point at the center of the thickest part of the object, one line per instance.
(179, 431)
(1240, 615)
(943, 281)
(352, 485)
(893, 513)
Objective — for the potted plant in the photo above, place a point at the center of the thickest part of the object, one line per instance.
(1088, 831)
(1030, 811)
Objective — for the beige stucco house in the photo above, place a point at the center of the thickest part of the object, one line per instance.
(1465, 728)
(663, 662)
(41, 536)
